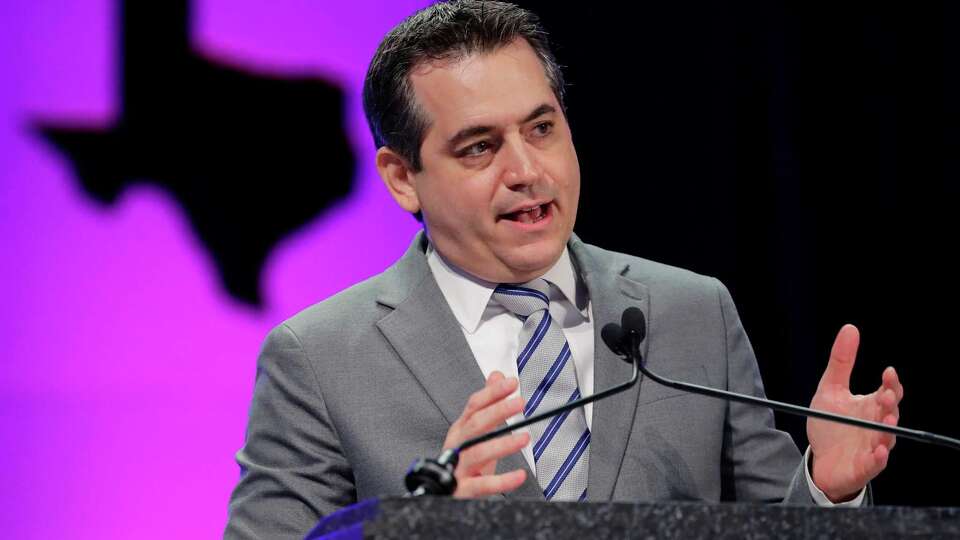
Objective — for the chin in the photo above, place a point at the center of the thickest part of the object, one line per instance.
(528, 262)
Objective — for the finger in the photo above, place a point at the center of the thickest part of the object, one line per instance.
(882, 439)
(842, 356)
(492, 416)
(482, 454)
(887, 398)
(891, 420)
(891, 380)
(497, 388)
(874, 462)
(887, 405)
(481, 486)
(884, 408)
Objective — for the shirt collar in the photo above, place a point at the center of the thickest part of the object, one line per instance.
(468, 296)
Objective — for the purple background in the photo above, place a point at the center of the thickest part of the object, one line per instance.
(124, 389)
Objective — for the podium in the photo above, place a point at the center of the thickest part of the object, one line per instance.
(443, 517)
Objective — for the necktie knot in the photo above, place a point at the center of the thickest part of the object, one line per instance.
(525, 299)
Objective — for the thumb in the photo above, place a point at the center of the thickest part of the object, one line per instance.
(842, 356)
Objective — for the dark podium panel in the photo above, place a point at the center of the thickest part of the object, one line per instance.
(441, 517)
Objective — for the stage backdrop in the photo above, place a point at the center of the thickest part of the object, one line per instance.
(130, 342)
(178, 178)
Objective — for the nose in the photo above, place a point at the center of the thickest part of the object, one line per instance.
(521, 167)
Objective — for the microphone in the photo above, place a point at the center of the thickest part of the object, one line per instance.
(435, 476)
(626, 341)
(616, 339)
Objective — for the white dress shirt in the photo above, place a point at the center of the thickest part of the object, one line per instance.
(493, 333)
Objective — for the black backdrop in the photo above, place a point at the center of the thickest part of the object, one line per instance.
(806, 155)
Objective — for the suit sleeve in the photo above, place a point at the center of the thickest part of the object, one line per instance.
(292, 468)
(760, 463)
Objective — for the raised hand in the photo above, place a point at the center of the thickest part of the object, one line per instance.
(486, 410)
(845, 458)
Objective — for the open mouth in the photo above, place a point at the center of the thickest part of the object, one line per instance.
(529, 215)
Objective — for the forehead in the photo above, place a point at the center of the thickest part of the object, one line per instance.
(494, 88)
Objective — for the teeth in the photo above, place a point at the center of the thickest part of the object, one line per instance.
(529, 215)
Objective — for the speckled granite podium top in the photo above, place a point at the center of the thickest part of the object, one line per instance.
(441, 517)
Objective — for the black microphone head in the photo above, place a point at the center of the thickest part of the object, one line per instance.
(615, 338)
(632, 320)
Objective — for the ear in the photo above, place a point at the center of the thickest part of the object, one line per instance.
(398, 177)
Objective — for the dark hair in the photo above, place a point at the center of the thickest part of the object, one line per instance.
(443, 31)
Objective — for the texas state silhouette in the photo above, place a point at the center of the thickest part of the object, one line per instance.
(250, 158)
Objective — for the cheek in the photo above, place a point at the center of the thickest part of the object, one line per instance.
(563, 158)
(459, 198)
(460, 204)
(474, 197)
(567, 176)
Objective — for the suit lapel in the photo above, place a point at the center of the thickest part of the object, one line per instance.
(426, 336)
(610, 293)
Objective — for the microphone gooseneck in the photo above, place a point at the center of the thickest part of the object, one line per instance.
(634, 325)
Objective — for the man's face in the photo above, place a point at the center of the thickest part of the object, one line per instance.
(500, 180)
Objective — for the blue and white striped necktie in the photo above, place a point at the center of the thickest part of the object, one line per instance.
(548, 379)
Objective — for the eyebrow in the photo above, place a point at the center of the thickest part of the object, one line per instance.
(473, 131)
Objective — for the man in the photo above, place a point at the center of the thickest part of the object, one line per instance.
(466, 105)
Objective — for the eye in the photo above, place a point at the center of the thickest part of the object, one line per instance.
(476, 149)
(543, 129)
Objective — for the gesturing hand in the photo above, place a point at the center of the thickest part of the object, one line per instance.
(845, 458)
(487, 409)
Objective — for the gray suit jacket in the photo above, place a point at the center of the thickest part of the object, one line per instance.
(352, 389)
